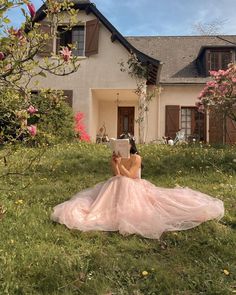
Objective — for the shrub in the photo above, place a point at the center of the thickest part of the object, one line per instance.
(42, 118)
(54, 118)
(81, 133)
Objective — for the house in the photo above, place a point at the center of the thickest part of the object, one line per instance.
(106, 95)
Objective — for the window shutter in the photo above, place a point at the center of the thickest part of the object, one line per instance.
(230, 129)
(48, 48)
(226, 58)
(57, 44)
(172, 120)
(208, 62)
(68, 97)
(58, 40)
(216, 127)
(92, 36)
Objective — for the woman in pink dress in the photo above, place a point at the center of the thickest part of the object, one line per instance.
(131, 205)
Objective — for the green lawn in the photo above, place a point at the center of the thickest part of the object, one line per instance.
(38, 256)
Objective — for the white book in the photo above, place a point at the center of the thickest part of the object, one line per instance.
(120, 146)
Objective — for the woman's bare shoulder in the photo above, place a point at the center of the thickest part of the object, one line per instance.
(136, 158)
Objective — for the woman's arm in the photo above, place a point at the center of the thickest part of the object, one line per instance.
(114, 165)
(133, 171)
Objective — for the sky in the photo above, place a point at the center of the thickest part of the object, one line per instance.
(160, 17)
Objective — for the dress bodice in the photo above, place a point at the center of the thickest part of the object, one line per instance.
(139, 173)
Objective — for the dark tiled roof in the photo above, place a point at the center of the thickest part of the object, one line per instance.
(179, 54)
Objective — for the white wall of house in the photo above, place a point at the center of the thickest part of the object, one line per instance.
(107, 101)
(101, 70)
(98, 80)
(182, 95)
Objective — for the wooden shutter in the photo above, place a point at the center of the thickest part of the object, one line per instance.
(69, 97)
(172, 120)
(226, 58)
(208, 61)
(48, 48)
(230, 130)
(92, 36)
(216, 127)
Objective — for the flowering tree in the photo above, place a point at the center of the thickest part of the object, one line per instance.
(20, 65)
(25, 116)
(220, 93)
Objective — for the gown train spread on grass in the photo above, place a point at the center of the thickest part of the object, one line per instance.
(136, 206)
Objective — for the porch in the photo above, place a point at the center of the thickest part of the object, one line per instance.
(114, 109)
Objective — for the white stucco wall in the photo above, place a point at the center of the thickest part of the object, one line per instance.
(151, 118)
(182, 95)
(101, 70)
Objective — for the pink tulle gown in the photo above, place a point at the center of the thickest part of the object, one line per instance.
(136, 206)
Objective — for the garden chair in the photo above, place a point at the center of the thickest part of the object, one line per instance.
(102, 136)
(180, 137)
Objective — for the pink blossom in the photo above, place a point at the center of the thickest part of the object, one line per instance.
(234, 80)
(80, 127)
(84, 137)
(32, 130)
(31, 109)
(213, 73)
(211, 84)
(202, 93)
(200, 107)
(79, 116)
(66, 54)
(32, 9)
(2, 56)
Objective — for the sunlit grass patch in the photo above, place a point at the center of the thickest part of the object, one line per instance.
(38, 256)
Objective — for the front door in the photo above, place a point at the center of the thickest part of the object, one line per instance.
(125, 120)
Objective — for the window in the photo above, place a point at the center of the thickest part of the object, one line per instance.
(193, 123)
(186, 121)
(74, 36)
(219, 60)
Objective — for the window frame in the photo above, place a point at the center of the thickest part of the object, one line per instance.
(57, 45)
(220, 52)
(193, 122)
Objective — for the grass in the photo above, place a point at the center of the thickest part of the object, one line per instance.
(38, 256)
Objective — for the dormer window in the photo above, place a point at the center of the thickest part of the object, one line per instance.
(214, 59)
(219, 59)
(74, 36)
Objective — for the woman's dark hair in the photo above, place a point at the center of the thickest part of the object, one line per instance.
(133, 149)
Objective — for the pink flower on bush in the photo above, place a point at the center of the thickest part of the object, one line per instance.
(234, 80)
(213, 73)
(32, 130)
(32, 9)
(211, 84)
(220, 92)
(80, 127)
(200, 106)
(31, 110)
(66, 54)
